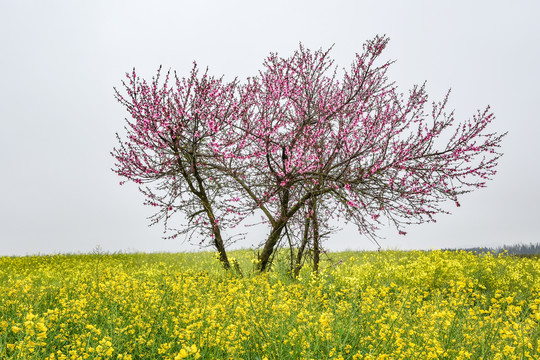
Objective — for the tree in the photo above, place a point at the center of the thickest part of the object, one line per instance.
(169, 140)
(301, 146)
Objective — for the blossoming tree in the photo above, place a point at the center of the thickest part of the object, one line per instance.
(169, 140)
(299, 145)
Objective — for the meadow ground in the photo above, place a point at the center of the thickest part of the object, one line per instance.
(363, 305)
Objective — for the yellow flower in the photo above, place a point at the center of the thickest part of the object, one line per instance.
(40, 326)
(15, 329)
(29, 324)
(182, 354)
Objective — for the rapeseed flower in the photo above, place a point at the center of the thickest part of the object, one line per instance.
(397, 305)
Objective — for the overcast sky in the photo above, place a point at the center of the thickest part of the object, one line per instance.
(61, 59)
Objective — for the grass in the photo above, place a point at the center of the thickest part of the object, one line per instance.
(363, 305)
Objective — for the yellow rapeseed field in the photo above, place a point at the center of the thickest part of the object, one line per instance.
(366, 305)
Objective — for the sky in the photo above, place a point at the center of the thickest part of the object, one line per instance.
(61, 59)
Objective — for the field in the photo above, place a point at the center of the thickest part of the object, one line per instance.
(363, 305)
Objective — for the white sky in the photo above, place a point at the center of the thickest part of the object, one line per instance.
(60, 60)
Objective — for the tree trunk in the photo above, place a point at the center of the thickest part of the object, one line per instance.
(201, 194)
(268, 249)
(299, 255)
(220, 247)
(264, 257)
(218, 240)
(316, 244)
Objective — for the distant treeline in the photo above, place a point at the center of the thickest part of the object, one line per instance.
(519, 249)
